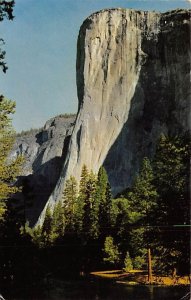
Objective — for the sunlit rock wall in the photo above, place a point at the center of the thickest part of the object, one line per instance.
(133, 84)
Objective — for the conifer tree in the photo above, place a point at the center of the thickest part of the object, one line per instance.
(111, 252)
(121, 220)
(128, 266)
(104, 201)
(90, 209)
(47, 227)
(9, 168)
(58, 221)
(70, 199)
(108, 206)
(143, 201)
(102, 184)
(143, 194)
(171, 168)
(79, 208)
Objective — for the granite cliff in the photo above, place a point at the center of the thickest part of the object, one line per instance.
(44, 151)
(133, 84)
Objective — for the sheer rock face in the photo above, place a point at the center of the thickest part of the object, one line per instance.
(109, 62)
(133, 84)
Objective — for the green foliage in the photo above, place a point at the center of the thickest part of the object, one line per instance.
(171, 169)
(139, 262)
(153, 202)
(58, 221)
(79, 210)
(111, 252)
(52, 229)
(143, 194)
(70, 202)
(121, 222)
(104, 200)
(9, 168)
(143, 202)
(47, 227)
(36, 235)
(138, 239)
(90, 225)
(128, 266)
(155, 198)
(119, 231)
(102, 184)
(120, 213)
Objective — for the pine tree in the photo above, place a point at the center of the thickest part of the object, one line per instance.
(104, 201)
(108, 207)
(102, 184)
(128, 266)
(83, 181)
(121, 220)
(143, 194)
(9, 168)
(171, 169)
(70, 199)
(143, 202)
(111, 252)
(58, 221)
(47, 227)
(90, 208)
(79, 208)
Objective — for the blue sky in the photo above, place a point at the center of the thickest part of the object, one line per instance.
(41, 54)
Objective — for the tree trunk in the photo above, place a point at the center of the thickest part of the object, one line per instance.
(150, 276)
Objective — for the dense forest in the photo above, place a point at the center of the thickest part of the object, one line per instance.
(90, 230)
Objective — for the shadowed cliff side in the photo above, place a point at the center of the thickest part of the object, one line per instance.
(161, 102)
(44, 151)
